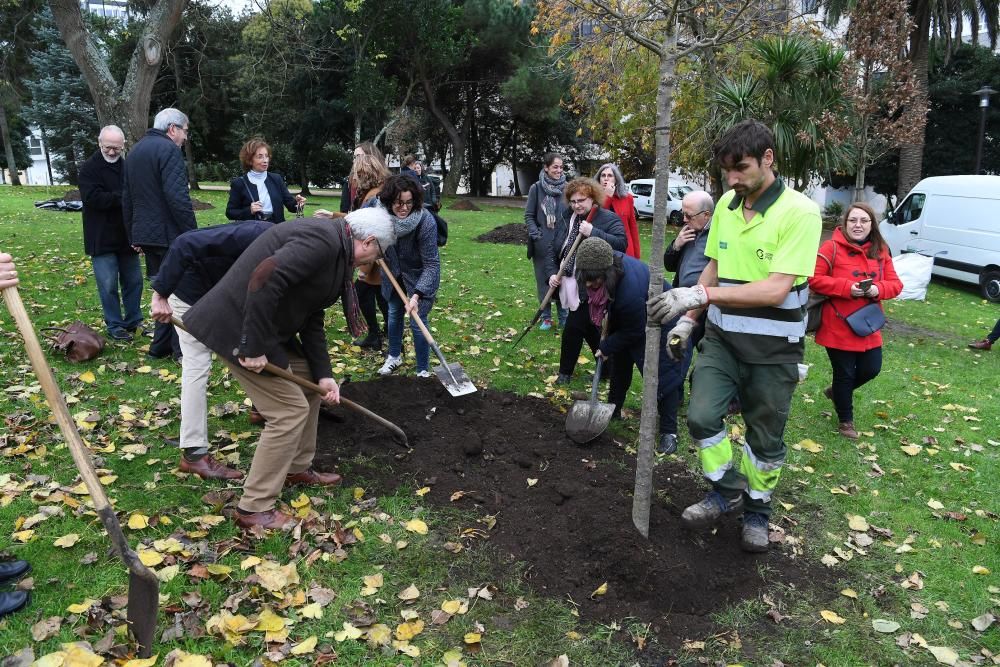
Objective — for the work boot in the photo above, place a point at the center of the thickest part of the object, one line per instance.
(754, 537)
(668, 443)
(985, 345)
(846, 429)
(708, 510)
(564, 378)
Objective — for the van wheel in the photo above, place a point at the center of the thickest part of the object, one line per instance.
(989, 285)
(674, 218)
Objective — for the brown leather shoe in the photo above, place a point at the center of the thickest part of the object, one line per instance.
(208, 468)
(985, 345)
(256, 417)
(846, 429)
(313, 477)
(269, 520)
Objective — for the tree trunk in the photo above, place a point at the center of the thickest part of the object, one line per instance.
(125, 105)
(8, 147)
(475, 154)
(649, 422)
(911, 156)
(458, 139)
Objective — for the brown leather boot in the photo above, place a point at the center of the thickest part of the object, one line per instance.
(269, 520)
(985, 345)
(846, 429)
(313, 477)
(207, 467)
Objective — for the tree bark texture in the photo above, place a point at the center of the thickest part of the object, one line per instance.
(911, 156)
(458, 139)
(8, 147)
(125, 104)
(649, 422)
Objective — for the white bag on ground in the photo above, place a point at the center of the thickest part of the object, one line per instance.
(914, 270)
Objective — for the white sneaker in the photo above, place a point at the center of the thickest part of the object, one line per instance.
(424, 374)
(390, 365)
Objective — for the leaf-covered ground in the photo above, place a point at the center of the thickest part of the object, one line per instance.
(903, 521)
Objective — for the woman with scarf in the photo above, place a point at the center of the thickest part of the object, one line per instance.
(616, 287)
(586, 218)
(415, 263)
(853, 269)
(260, 194)
(620, 200)
(541, 214)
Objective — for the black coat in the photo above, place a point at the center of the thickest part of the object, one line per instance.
(198, 259)
(101, 192)
(607, 226)
(242, 193)
(156, 205)
(275, 295)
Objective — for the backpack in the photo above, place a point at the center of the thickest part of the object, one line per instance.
(442, 228)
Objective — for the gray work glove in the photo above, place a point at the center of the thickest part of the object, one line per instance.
(677, 338)
(676, 302)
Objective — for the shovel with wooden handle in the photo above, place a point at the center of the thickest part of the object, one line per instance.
(588, 419)
(452, 376)
(143, 586)
(552, 288)
(399, 436)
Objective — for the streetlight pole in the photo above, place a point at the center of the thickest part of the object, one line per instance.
(984, 104)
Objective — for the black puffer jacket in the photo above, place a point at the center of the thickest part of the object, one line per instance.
(156, 205)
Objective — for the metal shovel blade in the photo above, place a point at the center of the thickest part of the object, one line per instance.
(143, 604)
(587, 420)
(456, 381)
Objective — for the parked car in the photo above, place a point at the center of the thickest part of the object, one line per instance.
(956, 220)
(643, 191)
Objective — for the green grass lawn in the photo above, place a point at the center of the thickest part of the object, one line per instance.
(905, 518)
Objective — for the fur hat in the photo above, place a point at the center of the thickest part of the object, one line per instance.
(594, 254)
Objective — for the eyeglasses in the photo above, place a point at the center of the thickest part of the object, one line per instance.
(185, 129)
(399, 203)
(116, 149)
(692, 217)
(579, 202)
(863, 221)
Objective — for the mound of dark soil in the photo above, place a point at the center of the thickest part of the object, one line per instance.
(573, 526)
(515, 233)
(72, 195)
(464, 205)
(201, 205)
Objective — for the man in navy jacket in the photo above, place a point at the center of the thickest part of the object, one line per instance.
(156, 205)
(104, 237)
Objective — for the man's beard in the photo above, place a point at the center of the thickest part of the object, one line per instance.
(109, 160)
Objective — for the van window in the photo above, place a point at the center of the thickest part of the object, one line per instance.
(642, 189)
(910, 209)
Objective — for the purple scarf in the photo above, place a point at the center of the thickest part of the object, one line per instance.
(349, 297)
(597, 300)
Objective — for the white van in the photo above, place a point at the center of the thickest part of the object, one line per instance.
(644, 192)
(955, 219)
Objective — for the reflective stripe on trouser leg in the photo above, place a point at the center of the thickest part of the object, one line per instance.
(762, 476)
(716, 455)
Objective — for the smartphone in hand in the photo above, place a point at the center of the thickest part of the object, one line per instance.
(865, 284)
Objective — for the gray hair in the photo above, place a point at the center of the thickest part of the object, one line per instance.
(701, 199)
(620, 188)
(110, 129)
(372, 221)
(168, 117)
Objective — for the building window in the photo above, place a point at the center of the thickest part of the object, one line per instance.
(35, 146)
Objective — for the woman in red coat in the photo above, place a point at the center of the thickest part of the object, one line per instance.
(619, 200)
(853, 269)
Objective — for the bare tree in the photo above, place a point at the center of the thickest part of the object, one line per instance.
(672, 30)
(125, 104)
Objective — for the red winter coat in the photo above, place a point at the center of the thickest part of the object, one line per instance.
(624, 208)
(850, 265)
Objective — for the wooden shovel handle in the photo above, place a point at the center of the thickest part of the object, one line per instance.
(81, 455)
(402, 295)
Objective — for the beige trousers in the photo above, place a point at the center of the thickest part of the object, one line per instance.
(288, 443)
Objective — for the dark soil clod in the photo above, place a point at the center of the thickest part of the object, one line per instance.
(515, 234)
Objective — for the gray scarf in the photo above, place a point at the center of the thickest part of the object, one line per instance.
(406, 225)
(553, 190)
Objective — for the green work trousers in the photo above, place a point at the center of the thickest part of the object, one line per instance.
(765, 393)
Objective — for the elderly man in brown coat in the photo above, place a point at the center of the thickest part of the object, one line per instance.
(269, 307)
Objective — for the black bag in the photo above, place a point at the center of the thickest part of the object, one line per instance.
(866, 320)
(814, 306)
(442, 228)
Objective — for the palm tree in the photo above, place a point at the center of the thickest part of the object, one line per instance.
(931, 18)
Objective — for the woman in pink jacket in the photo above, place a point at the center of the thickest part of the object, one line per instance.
(853, 269)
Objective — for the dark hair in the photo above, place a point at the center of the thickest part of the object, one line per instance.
(612, 275)
(875, 236)
(250, 149)
(408, 160)
(396, 185)
(747, 138)
(549, 158)
(587, 186)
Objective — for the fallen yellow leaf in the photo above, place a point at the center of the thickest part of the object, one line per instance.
(979, 569)
(149, 558)
(305, 646)
(81, 607)
(66, 541)
(451, 606)
(857, 523)
(138, 521)
(601, 590)
(409, 630)
(311, 611)
(410, 593)
(849, 593)
(416, 526)
(832, 617)
(472, 638)
(424, 491)
(88, 377)
(141, 662)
